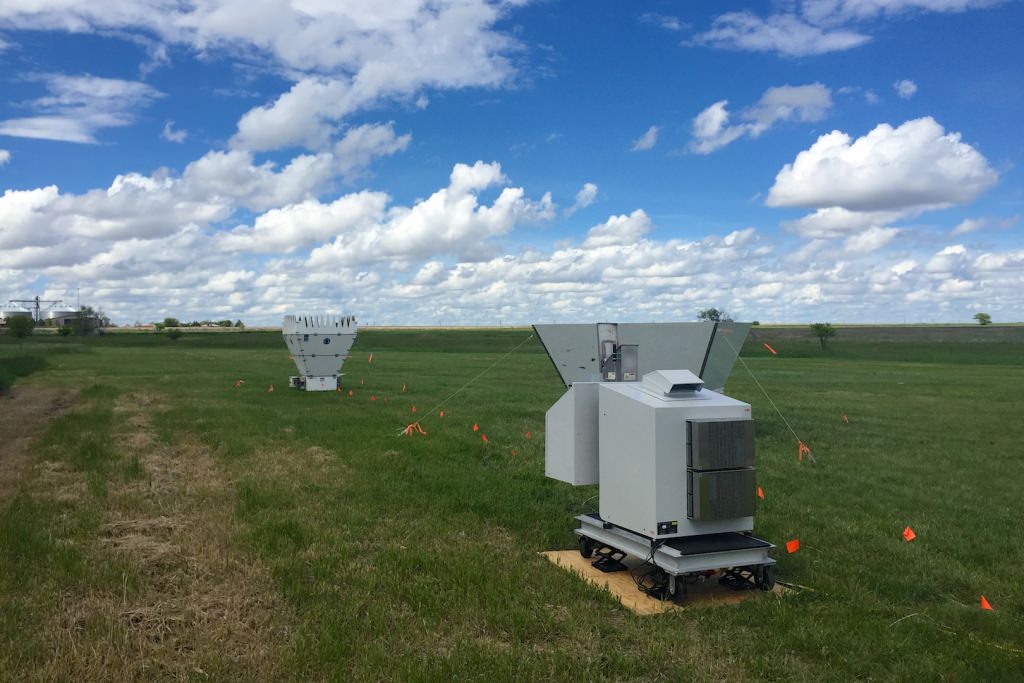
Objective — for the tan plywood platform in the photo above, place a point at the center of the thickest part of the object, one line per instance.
(708, 593)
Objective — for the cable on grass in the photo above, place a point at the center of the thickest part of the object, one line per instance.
(478, 376)
(802, 448)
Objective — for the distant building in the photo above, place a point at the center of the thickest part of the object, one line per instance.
(13, 312)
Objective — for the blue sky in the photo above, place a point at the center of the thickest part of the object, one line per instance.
(469, 161)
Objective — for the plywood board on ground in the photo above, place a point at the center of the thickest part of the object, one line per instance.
(708, 593)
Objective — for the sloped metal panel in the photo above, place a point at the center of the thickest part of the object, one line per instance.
(668, 346)
(725, 348)
(573, 348)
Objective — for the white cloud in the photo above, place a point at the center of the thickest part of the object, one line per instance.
(968, 225)
(232, 178)
(669, 23)
(789, 103)
(785, 34)
(5, 157)
(362, 144)
(869, 241)
(835, 221)
(172, 135)
(950, 260)
(450, 221)
(813, 27)
(297, 226)
(342, 56)
(916, 166)
(619, 230)
(584, 198)
(905, 88)
(647, 140)
(712, 130)
(77, 107)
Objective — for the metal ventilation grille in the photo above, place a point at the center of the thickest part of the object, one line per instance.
(719, 444)
(725, 494)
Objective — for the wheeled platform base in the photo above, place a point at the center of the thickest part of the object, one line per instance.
(743, 559)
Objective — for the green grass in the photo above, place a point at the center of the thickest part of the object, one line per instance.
(417, 557)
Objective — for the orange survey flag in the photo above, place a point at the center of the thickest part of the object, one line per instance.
(985, 605)
(770, 349)
(793, 546)
(349, 392)
(484, 438)
(414, 428)
(441, 414)
(760, 493)
(529, 435)
(476, 427)
(909, 535)
(801, 449)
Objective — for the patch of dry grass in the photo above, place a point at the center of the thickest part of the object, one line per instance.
(191, 604)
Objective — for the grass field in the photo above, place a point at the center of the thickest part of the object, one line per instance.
(161, 523)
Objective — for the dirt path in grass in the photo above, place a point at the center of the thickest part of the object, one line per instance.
(193, 604)
(24, 413)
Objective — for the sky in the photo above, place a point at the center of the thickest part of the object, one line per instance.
(422, 162)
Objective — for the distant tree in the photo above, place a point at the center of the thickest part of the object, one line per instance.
(823, 331)
(174, 334)
(171, 322)
(86, 321)
(239, 324)
(20, 327)
(983, 318)
(713, 315)
(756, 323)
(224, 323)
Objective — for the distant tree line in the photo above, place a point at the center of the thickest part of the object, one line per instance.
(168, 323)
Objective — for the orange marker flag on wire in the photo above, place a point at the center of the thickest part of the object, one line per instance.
(529, 435)
(909, 535)
(801, 449)
(476, 427)
(793, 546)
(414, 410)
(349, 392)
(413, 428)
(441, 414)
(770, 349)
(373, 398)
(760, 493)
(985, 605)
(483, 437)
